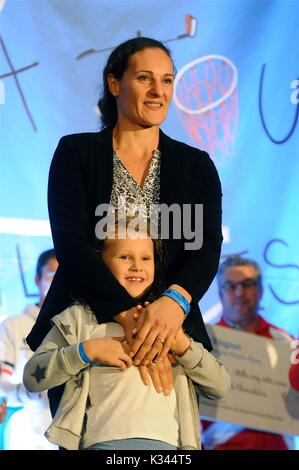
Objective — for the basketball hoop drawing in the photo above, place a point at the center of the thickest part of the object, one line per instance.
(190, 32)
(190, 25)
(205, 94)
(190, 29)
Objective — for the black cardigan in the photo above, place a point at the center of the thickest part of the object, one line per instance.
(80, 178)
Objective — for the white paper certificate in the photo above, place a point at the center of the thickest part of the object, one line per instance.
(261, 396)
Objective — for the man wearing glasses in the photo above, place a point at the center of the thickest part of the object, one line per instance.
(240, 291)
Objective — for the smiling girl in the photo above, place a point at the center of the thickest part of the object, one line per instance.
(105, 405)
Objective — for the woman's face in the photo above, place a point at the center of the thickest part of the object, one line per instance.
(145, 90)
(131, 262)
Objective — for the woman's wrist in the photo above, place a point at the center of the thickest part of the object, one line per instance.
(179, 298)
(182, 291)
(172, 304)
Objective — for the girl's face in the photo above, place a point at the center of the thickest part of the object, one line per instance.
(131, 262)
(145, 90)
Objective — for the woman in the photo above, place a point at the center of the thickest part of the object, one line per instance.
(94, 168)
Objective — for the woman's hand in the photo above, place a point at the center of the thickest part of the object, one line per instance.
(161, 375)
(110, 351)
(156, 329)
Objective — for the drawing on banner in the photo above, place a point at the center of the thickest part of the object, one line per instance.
(26, 293)
(190, 31)
(214, 311)
(13, 72)
(275, 141)
(280, 266)
(205, 94)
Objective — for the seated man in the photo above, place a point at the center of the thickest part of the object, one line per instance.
(26, 427)
(240, 290)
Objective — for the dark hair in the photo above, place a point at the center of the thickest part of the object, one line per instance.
(238, 261)
(43, 259)
(159, 283)
(116, 65)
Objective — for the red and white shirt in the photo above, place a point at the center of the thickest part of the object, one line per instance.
(228, 436)
(26, 427)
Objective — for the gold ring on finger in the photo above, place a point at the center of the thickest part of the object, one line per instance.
(160, 340)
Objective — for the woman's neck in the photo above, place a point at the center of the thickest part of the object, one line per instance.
(139, 142)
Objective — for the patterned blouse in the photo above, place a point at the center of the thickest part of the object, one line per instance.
(126, 194)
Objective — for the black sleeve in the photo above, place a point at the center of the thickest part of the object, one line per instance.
(196, 269)
(86, 275)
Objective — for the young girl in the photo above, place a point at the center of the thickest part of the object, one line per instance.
(105, 405)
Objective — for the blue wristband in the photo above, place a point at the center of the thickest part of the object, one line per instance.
(83, 354)
(179, 298)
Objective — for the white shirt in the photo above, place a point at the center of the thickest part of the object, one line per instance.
(151, 415)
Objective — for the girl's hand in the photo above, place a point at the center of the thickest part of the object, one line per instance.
(181, 343)
(109, 351)
(127, 320)
(161, 375)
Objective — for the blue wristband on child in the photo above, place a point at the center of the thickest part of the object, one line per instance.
(83, 354)
(179, 298)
